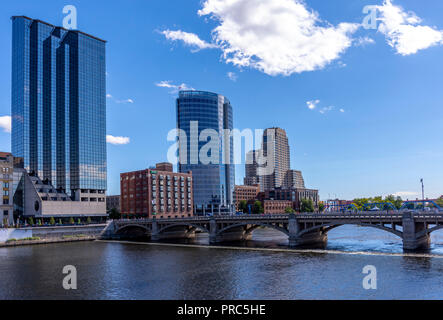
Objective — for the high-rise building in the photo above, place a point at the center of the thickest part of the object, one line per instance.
(200, 113)
(276, 151)
(59, 108)
(251, 174)
(294, 179)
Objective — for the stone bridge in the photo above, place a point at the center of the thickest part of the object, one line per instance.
(307, 229)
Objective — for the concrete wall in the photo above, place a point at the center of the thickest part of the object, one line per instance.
(6, 234)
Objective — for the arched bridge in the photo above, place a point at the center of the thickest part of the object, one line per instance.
(412, 227)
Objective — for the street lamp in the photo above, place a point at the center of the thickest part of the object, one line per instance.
(423, 191)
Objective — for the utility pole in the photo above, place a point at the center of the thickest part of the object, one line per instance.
(423, 192)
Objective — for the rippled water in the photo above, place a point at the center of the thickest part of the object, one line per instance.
(143, 271)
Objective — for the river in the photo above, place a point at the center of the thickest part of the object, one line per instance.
(262, 269)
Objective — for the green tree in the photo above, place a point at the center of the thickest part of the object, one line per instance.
(243, 206)
(79, 221)
(289, 210)
(257, 208)
(31, 221)
(60, 221)
(307, 205)
(39, 222)
(71, 220)
(440, 202)
(321, 207)
(89, 221)
(52, 221)
(114, 214)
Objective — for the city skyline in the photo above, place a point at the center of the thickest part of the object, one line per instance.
(364, 124)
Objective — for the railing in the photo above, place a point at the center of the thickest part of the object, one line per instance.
(384, 215)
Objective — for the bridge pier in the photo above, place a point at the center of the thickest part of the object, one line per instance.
(315, 238)
(411, 242)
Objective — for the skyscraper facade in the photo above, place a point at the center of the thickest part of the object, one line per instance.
(276, 151)
(198, 113)
(59, 106)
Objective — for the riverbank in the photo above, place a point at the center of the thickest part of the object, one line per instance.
(45, 241)
(45, 235)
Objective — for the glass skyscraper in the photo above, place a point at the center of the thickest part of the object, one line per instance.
(59, 105)
(197, 112)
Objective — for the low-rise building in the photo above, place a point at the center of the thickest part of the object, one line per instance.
(155, 193)
(6, 194)
(113, 202)
(293, 194)
(245, 193)
(276, 206)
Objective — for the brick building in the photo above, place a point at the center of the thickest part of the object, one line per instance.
(294, 195)
(276, 206)
(6, 175)
(156, 193)
(245, 193)
(112, 202)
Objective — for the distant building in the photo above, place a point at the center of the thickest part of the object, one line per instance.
(276, 151)
(251, 175)
(154, 193)
(59, 118)
(112, 202)
(294, 195)
(276, 206)
(294, 179)
(6, 183)
(245, 193)
(199, 111)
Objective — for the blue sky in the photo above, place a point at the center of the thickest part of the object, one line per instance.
(376, 128)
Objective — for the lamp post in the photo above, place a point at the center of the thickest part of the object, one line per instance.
(423, 192)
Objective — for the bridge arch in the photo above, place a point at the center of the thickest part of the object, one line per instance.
(330, 226)
(253, 227)
(184, 224)
(132, 226)
(429, 231)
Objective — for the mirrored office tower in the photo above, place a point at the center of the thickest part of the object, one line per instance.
(198, 114)
(59, 106)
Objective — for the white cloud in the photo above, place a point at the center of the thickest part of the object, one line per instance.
(326, 109)
(403, 30)
(108, 96)
(189, 39)
(176, 88)
(117, 140)
(342, 110)
(124, 101)
(363, 41)
(312, 104)
(5, 123)
(406, 194)
(232, 76)
(277, 37)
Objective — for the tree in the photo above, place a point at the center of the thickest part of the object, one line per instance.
(52, 221)
(257, 208)
(440, 202)
(307, 205)
(114, 214)
(31, 221)
(79, 221)
(243, 206)
(89, 221)
(60, 221)
(321, 207)
(289, 210)
(71, 220)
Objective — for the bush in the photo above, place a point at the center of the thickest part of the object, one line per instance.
(289, 210)
(89, 221)
(31, 221)
(71, 220)
(52, 221)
